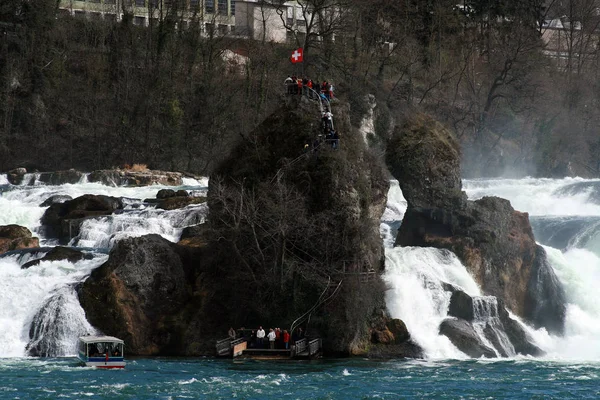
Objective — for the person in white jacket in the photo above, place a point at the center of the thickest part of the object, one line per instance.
(271, 337)
(260, 336)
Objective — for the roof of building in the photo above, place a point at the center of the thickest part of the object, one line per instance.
(96, 339)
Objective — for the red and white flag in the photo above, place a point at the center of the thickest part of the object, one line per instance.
(297, 56)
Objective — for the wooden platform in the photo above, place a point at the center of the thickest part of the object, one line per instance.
(302, 349)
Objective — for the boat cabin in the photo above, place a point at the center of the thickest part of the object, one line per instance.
(101, 351)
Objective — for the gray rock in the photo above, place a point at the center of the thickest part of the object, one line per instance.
(58, 198)
(464, 337)
(461, 305)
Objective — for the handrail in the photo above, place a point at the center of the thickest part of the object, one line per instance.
(319, 303)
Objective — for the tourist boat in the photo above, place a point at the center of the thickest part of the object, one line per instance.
(101, 352)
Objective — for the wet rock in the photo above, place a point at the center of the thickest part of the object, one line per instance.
(461, 306)
(408, 349)
(16, 176)
(15, 237)
(399, 330)
(58, 198)
(165, 193)
(195, 236)
(61, 177)
(383, 337)
(182, 193)
(136, 178)
(173, 203)
(520, 339)
(59, 253)
(493, 241)
(62, 220)
(498, 322)
(142, 294)
(464, 337)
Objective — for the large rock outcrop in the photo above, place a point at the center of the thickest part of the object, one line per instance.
(63, 220)
(505, 334)
(147, 294)
(494, 241)
(294, 218)
(16, 237)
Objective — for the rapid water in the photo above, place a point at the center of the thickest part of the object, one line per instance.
(565, 216)
(46, 293)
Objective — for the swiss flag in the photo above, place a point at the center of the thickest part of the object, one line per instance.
(297, 56)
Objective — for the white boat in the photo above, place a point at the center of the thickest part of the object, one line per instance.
(101, 352)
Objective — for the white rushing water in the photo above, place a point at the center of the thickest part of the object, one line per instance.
(565, 212)
(47, 291)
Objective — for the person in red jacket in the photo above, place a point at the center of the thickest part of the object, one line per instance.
(286, 339)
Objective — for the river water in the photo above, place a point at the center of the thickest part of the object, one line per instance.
(565, 215)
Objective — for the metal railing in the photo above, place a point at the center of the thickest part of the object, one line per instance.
(314, 347)
(300, 346)
(223, 346)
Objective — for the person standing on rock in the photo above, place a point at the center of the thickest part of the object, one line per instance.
(260, 336)
(271, 337)
(231, 333)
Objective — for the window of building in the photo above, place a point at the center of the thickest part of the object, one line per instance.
(232, 7)
(140, 3)
(210, 6)
(222, 29)
(232, 29)
(94, 1)
(222, 7)
(194, 5)
(210, 28)
(139, 21)
(289, 36)
(110, 1)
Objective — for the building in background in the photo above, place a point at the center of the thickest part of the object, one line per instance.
(270, 21)
(213, 14)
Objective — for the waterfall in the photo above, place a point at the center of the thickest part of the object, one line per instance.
(40, 312)
(565, 215)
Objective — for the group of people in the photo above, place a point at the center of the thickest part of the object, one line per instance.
(308, 87)
(275, 339)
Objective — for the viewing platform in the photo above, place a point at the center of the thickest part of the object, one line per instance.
(305, 348)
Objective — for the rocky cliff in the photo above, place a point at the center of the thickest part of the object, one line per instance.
(494, 241)
(298, 222)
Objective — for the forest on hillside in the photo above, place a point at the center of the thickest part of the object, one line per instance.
(516, 80)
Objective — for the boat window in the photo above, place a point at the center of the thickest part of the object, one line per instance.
(116, 350)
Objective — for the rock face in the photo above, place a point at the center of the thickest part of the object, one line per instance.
(136, 178)
(320, 210)
(15, 237)
(62, 220)
(145, 295)
(493, 241)
(506, 334)
(463, 336)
